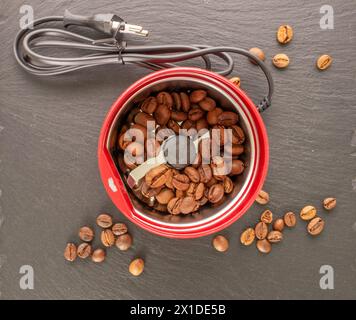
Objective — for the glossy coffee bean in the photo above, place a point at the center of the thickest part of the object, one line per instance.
(308, 213)
(136, 267)
(192, 174)
(275, 236)
(165, 196)
(185, 101)
(205, 173)
(98, 255)
(278, 224)
(228, 118)
(107, 238)
(165, 98)
(207, 104)
(216, 193)
(86, 234)
(237, 135)
(213, 116)
(84, 250)
(202, 124)
(162, 114)
(149, 105)
(237, 167)
(173, 206)
(315, 226)
(290, 219)
(197, 95)
(261, 230)
(220, 243)
(104, 220)
(179, 115)
(123, 242)
(262, 197)
(119, 228)
(157, 176)
(177, 103)
(195, 114)
(264, 246)
(70, 252)
(267, 216)
(329, 203)
(181, 182)
(188, 205)
(228, 185)
(247, 237)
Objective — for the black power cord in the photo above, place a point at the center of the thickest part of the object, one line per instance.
(113, 50)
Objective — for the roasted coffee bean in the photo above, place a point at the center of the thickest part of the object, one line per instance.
(174, 126)
(237, 135)
(278, 224)
(228, 185)
(136, 267)
(107, 238)
(236, 81)
(192, 174)
(280, 60)
(98, 255)
(165, 98)
(211, 182)
(177, 103)
(202, 124)
(284, 34)
(247, 237)
(173, 205)
(195, 114)
(267, 216)
(257, 52)
(216, 193)
(199, 191)
(149, 192)
(160, 207)
(205, 173)
(70, 252)
(275, 236)
(170, 175)
(165, 196)
(164, 133)
(185, 101)
(188, 205)
(187, 124)
(228, 118)
(119, 228)
(213, 116)
(197, 161)
(162, 114)
(179, 116)
(157, 176)
(220, 243)
(104, 220)
(207, 104)
(124, 242)
(149, 105)
(324, 62)
(123, 141)
(308, 213)
(203, 201)
(290, 219)
(234, 149)
(218, 135)
(84, 250)
(86, 234)
(132, 114)
(197, 96)
(329, 203)
(237, 167)
(315, 226)
(218, 168)
(180, 194)
(143, 118)
(262, 197)
(181, 182)
(264, 246)
(261, 230)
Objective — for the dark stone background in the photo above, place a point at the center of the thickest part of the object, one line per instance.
(50, 183)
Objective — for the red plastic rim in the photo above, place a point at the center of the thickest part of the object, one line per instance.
(115, 186)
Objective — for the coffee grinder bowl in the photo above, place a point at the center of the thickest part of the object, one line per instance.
(210, 219)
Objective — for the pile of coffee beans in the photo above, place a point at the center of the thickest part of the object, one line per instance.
(183, 191)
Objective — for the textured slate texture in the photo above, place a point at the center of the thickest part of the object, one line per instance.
(50, 183)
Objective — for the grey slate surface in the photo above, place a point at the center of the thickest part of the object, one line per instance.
(50, 183)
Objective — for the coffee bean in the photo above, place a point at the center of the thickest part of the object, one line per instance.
(261, 230)
(211, 182)
(234, 149)
(199, 191)
(236, 81)
(165, 98)
(170, 175)
(290, 219)
(204, 200)
(258, 53)
(308, 213)
(124, 242)
(262, 197)
(267, 216)
(202, 124)
(149, 105)
(207, 104)
(324, 62)
(284, 34)
(213, 116)
(278, 224)
(173, 206)
(119, 228)
(157, 176)
(149, 192)
(275, 236)
(228, 185)
(247, 237)
(98, 255)
(86, 234)
(280, 60)
(205, 173)
(329, 203)
(70, 252)
(143, 118)
(136, 267)
(216, 193)
(228, 118)
(315, 226)
(218, 135)
(162, 114)
(179, 116)
(165, 196)
(132, 114)
(181, 182)
(187, 124)
(104, 220)
(192, 173)
(188, 205)
(176, 101)
(238, 135)
(174, 126)
(264, 246)
(195, 114)
(123, 141)
(84, 250)
(237, 167)
(197, 96)
(180, 194)
(107, 238)
(220, 243)
(185, 101)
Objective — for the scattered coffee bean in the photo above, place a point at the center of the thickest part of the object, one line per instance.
(70, 252)
(119, 228)
(86, 234)
(290, 219)
(258, 53)
(329, 203)
(315, 226)
(275, 236)
(107, 238)
(267, 216)
(84, 250)
(308, 213)
(284, 34)
(220, 243)
(98, 255)
(261, 230)
(236, 81)
(278, 224)
(264, 246)
(247, 237)
(104, 220)
(280, 60)
(324, 62)
(124, 242)
(262, 197)
(136, 267)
